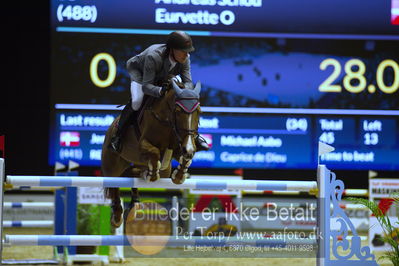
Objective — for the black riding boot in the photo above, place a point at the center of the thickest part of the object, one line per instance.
(201, 143)
(123, 125)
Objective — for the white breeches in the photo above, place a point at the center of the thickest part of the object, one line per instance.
(137, 94)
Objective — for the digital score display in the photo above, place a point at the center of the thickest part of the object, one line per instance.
(253, 141)
(323, 74)
(224, 17)
(274, 82)
(366, 141)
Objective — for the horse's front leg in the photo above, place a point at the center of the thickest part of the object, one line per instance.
(152, 154)
(180, 174)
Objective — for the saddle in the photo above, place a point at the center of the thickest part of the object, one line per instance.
(139, 114)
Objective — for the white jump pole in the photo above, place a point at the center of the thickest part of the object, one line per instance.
(38, 223)
(273, 204)
(346, 193)
(126, 240)
(28, 205)
(175, 207)
(86, 181)
(323, 206)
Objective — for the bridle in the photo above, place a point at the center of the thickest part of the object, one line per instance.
(171, 121)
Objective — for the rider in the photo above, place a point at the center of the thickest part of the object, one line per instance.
(150, 72)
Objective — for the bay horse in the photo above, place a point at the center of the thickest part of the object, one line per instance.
(168, 128)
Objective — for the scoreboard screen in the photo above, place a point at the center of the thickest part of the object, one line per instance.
(277, 77)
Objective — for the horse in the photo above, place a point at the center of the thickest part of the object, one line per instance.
(168, 128)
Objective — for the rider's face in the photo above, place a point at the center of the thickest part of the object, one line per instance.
(180, 56)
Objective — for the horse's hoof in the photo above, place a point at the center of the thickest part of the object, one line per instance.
(145, 175)
(178, 177)
(155, 177)
(115, 223)
(149, 176)
(152, 177)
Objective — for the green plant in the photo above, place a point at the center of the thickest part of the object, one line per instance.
(88, 224)
(390, 232)
(88, 219)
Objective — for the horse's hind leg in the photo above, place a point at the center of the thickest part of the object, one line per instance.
(116, 206)
(134, 192)
(135, 197)
(113, 165)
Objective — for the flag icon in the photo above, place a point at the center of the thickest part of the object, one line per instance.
(325, 148)
(395, 12)
(69, 139)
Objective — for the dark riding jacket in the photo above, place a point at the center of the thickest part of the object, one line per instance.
(151, 69)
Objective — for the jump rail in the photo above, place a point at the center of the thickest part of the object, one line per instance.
(271, 204)
(123, 240)
(346, 193)
(87, 181)
(28, 205)
(39, 223)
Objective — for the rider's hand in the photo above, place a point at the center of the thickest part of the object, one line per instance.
(178, 81)
(163, 90)
(167, 84)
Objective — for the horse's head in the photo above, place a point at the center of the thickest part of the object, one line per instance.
(186, 118)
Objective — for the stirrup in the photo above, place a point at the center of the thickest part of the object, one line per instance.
(202, 144)
(115, 143)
